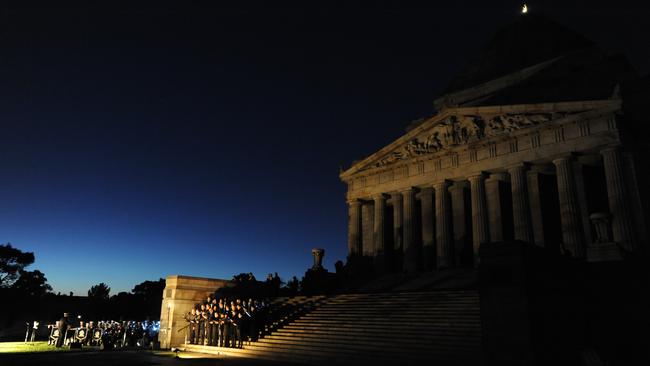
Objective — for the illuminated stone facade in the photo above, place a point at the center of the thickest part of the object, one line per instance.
(181, 294)
(493, 164)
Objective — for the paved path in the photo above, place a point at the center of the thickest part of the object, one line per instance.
(125, 358)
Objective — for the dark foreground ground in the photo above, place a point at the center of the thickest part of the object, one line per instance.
(124, 358)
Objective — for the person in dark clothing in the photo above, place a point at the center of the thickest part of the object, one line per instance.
(200, 325)
(212, 327)
(252, 322)
(236, 329)
(222, 329)
(228, 330)
(191, 319)
(64, 324)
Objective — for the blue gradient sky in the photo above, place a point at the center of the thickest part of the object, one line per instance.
(139, 142)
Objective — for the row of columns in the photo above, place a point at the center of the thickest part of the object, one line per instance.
(448, 209)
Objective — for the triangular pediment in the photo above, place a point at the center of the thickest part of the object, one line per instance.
(457, 127)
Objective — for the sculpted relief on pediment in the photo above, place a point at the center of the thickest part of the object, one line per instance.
(463, 129)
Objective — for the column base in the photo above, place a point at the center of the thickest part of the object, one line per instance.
(381, 264)
(444, 263)
(603, 252)
(429, 257)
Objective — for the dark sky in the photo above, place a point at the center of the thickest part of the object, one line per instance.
(142, 140)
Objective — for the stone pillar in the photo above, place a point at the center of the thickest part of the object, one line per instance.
(367, 229)
(397, 221)
(520, 206)
(535, 202)
(354, 228)
(493, 195)
(444, 249)
(618, 196)
(411, 253)
(180, 295)
(479, 213)
(428, 245)
(379, 233)
(578, 173)
(459, 220)
(569, 209)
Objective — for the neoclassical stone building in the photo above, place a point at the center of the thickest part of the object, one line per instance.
(534, 141)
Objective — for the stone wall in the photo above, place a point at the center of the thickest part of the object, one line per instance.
(180, 295)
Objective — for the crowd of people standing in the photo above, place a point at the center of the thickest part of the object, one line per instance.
(225, 322)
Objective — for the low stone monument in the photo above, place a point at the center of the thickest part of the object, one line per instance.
(180, 295)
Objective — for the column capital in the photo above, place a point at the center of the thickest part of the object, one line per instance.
(353, 201)
(518, 166)
(610, 149)
(425, 192)
(441, 184)
(395, 196)
(498, 176)
(476, 176)
(461, 184)
(406, 190)
(379, 196)
(564, 159)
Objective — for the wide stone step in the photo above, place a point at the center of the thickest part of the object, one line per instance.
(318, 356)
(382, 328)
(326, 332)
(389, 322)
(386, 328)
(466, 343)
(453, 334)
(423, 304)
(441, 299)
(325, 351)
(411, 305)
(393, 312)
(403, 300)
(393, 352)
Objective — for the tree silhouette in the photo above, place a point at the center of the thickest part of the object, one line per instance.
(32, 283)
(150, 289)
(293, 285)
(99, 292)
(12, 261)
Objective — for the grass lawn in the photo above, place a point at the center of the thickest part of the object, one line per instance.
(21, 347)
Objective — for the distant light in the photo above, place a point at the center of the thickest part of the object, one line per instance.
(524, 9)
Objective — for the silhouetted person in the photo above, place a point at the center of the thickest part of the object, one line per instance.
(64, 323)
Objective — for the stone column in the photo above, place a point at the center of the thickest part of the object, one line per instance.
(459, 220)
(397, 221)
(578, 173)
(572, 234)
(367, 229)
(354, 228)
(428, 245)
(444, 249)
(618, 196)
(479, 213)
(411, 254)
(493, 195)
(379, 233)
(520, 206)
(535, 202)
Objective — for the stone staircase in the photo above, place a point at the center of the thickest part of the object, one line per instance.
(382, 328)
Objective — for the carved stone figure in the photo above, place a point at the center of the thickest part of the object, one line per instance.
(463, 129)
